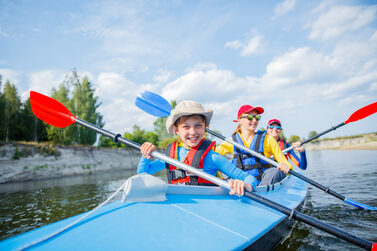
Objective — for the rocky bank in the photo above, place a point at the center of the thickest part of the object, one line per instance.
(358, 142)
(22, 162)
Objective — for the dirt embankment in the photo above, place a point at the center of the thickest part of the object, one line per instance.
(21, 162)
(359, 142)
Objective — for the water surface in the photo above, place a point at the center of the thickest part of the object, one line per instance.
(28, 205)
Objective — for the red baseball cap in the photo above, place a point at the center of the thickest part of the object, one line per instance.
(274, 121)
(248, 108)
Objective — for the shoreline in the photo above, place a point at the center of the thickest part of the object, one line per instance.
(360, 142)
(20, 162)
(24, 162)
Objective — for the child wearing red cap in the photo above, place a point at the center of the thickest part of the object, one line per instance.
(274, 129)
(246, 134)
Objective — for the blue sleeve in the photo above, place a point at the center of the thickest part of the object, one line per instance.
(303, 163)
(150, 167)
(293, 154)
(214, 162)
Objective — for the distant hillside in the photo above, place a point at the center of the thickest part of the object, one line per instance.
(355, 142)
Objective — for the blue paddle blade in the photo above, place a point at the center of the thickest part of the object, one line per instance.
(359, 205)
(153, 104)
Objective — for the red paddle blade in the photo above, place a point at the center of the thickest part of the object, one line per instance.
(50, 110)
(362, 113)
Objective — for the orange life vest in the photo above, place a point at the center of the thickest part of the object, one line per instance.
(194, 158)
(282, 144)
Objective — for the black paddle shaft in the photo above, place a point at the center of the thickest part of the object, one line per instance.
(322, 133)
(311, 221)
(291, 212)
(115, 137)
(312, 182)
(316, 184)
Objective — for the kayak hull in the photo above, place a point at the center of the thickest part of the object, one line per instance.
(191, 218)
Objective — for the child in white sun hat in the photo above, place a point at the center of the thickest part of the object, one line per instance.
(188, 120)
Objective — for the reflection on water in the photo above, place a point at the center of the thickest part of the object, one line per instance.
(28, 205)
(350, 173)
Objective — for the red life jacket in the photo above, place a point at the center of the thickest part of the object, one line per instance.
(282, 144)
(194, 158)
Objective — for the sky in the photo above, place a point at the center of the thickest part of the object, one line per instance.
(310, 64)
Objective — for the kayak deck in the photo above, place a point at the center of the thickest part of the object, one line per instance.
(192, 218)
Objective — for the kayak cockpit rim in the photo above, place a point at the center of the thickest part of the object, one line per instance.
(216, 190)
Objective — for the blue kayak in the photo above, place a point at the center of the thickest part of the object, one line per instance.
(192, 218)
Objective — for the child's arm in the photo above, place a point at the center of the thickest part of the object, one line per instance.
(215, 162)
(145, 163)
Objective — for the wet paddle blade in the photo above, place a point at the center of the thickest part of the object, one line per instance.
(360, 205)
(50, 110)
(153, 104)
(362, 113)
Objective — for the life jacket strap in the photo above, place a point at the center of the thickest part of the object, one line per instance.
(179, 176)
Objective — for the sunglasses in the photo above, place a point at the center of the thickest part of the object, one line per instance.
(251, 117)
(276, 126)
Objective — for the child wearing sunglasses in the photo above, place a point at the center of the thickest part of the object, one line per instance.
(274, 129)
(259, 141)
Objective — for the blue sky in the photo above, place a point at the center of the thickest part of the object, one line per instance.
(310, 64)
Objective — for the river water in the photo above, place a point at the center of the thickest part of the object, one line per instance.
(28, 205)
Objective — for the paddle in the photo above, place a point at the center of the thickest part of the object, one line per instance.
(54, 113)
(358, 115)
(160, 107)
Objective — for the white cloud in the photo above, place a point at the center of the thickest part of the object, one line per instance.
(253, 46)
(206, 85)
(298, 67)
(2, 33)
(233, 44)
(342, 19)
(284, 7)
(162, 76)
(373, 87)
(12, 75)
(44, 81)
(348, 85)
(110, 84)
(118, 95)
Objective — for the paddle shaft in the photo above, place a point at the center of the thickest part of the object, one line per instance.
(290, 212)
(274, 163)
(316, 136)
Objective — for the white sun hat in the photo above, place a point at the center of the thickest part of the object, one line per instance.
(184, 108)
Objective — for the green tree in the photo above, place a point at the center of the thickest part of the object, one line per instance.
(12, 107)
(61, 135)
(108, 142)
(33, 129)
(85, 107)
(312, 134)
(83, 104)
(140, 136)
(160, 129)
(293, 138)
(2, 110)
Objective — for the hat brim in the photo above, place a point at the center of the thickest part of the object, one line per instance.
(174, 117)
(259, 109)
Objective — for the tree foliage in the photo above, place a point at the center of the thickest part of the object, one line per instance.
(293, 138)
(83, 104)
(313, 134)
(160, 129)
(17, 121)
(11, 113)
